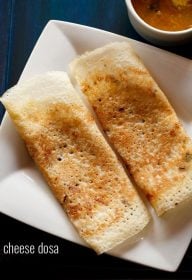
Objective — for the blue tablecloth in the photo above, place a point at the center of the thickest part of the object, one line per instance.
(21, 22)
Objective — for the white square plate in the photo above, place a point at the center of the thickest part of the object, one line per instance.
(23, 193)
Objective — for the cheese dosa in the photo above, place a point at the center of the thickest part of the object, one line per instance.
(139, 121)
(76, 161)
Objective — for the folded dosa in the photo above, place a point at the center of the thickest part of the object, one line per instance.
(139, 121)
(76, 161)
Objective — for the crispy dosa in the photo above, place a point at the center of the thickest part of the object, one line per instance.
(139, 121)
(76, 160)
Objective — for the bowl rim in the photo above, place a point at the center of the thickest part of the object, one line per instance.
(154, 29)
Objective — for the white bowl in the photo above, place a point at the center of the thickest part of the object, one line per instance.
(154, 35)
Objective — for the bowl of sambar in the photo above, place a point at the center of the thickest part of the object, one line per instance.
(163, 22)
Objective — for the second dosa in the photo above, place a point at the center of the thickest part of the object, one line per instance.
(139, 122)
